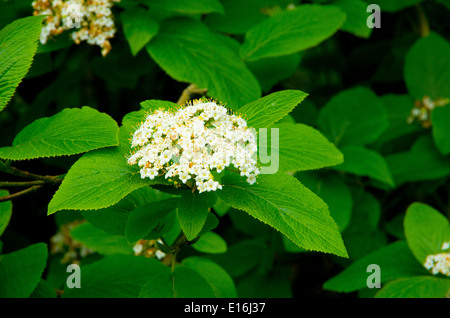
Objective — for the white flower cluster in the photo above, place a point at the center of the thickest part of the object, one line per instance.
(439, 263)
(191, 143)
(423, 108)
(149, 248)
(94, 17)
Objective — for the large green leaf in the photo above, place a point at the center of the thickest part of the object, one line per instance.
(98, 179)
(239, 16)
(189, 52)
(395, 261)
(423, 162)
(183, 282)
(427, 68)
(353, 117)
(300, 148)
(139, 28)
(356, 21)
(291, 31)
(285, 204)
(416, 287)
(426, 230)
(20, 271)
(5, 212)
(441, 129)
(115, 276)
(333, 190)
(99, 241)
(70, 132)
(219, 280)
(145, 218)
(18, 44)
(210, 243)
(192, 212)
(114, 219)
(264, 112)
(271, 70)
(365, 162)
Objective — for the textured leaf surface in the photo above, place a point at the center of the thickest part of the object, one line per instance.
(115, 276)
(291, 31)
(70, 132)
(20, 271)
(300, 148)
(138, 27)
(266, 111)
(18, 44)
(189, 52)
(395, 261)
(285, 204)
(426, 230)
(416, 287)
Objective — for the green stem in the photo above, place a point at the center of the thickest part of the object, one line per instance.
(20, 184)
(21, 193)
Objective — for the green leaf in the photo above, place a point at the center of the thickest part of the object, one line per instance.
(187, 6)
(395, 261)
(284, 203)
(423, 162)
(183, 282)
(416, 287)
(211, 243)
(264, 112)
(99, 241)
(239, 16)
(98, 179)
(333, 190)
(356, 22)
(72, 131)
(192, 212)
(43, 290)
(240, 257)
(20, 271)
(114, 219)
(152, 105)
(398, 108)
(189, 52)
(219, 280)
(300, 148)
(427, 68)
(115, 276)
(353, 117)
(18, 44)
(426, 230)
(440, 118)
(363, 234)
(139, 28)
(145, 218)
(272, 70)
(5, 212)
(291, 31)
(365, 162)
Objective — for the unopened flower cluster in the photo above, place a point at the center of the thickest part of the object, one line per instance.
(62, 242)
(186, 146)
(439, 263)
(91, 20)
(423, 108)
(149, 248)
